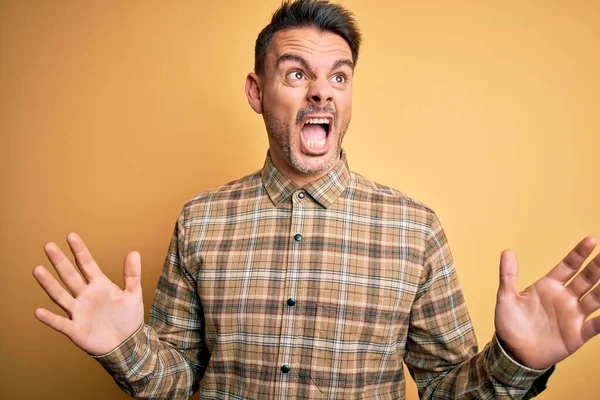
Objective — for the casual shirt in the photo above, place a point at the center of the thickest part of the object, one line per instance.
(271, 290)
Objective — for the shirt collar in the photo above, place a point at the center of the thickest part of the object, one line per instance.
(324, 190)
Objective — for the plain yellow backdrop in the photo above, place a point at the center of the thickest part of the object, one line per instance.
(114, 113)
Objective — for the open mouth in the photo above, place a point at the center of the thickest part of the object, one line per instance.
(314, 134)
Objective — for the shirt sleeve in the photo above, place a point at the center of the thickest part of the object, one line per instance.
(442, 354)
(165, 359)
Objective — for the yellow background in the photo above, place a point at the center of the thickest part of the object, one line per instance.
(113, 114)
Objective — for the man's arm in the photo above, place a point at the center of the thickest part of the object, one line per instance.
(442, 353)
(157, 361)
(162, 359)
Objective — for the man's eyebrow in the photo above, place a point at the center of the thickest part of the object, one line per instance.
(292, 57)
(342, 62)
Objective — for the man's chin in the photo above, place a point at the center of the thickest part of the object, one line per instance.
(310, 164)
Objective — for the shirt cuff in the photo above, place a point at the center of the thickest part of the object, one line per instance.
(121, 359)
(510, 372)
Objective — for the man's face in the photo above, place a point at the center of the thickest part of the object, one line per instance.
(306, 101)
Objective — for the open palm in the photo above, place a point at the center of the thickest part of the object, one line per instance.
(548, 321)
(100, 315)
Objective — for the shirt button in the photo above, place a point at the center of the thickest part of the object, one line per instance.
(291, 302)
(301, 195)
(298, 237)
(285, 368)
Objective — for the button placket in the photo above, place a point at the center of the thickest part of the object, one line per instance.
(289, 334)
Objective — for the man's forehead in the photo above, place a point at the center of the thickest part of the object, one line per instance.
(309, 40)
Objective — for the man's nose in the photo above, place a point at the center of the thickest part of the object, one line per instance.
(320, 92)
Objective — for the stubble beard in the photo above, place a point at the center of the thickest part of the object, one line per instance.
(279, 133)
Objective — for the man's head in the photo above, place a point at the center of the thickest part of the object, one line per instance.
(302, 85)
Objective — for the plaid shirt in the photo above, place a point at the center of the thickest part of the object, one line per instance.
(271, 290)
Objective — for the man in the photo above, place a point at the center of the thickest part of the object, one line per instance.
(305, 280)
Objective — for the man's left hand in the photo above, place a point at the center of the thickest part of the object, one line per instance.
(549, 320)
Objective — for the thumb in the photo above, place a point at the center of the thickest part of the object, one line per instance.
(509, 270)
(132, 273)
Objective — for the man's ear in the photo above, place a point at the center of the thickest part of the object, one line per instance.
(253, 92)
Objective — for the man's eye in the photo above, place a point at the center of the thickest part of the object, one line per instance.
(296, 76)
(339, 78)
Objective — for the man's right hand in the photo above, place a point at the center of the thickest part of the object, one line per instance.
(100, 315)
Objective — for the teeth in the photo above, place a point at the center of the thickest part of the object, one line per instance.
(317, 121)
(316, 143)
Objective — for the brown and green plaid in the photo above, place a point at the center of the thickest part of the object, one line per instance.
(271, 290)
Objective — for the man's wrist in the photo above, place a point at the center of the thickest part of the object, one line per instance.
(508, 352)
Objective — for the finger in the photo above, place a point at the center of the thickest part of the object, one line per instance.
(67, 273)
(586, 279)
(590, 302)
(508, 275)
(132, 273)
(54, 290)
(567, 268)
(591, 328)
(56, 322)
(86, 263)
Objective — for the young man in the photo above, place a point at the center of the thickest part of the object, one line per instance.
(305, 280)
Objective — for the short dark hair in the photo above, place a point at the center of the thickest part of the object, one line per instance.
(320, 14)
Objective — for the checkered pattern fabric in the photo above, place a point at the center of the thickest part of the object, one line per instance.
(276, 291)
